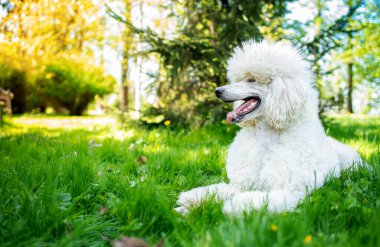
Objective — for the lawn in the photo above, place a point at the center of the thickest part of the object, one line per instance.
(87, 181)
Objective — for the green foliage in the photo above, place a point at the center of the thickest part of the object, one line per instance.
(78, 183)
(51, 38)
(72, 84)
(14, 76)
(65, 83)
(15, 80)
(349, 37)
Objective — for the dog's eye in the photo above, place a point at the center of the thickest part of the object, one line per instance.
(251, 80)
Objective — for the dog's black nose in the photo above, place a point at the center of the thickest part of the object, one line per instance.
(219, 91)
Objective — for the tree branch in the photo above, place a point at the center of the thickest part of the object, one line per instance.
(327, 36)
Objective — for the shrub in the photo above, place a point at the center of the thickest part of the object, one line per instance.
(73, 85)
(13, 76)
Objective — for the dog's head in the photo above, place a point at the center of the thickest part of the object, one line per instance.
(268, 80)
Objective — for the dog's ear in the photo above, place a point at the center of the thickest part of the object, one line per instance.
(284, 102)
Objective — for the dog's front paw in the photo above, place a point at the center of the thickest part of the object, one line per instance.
(188, 198)
(230, 207)
(244, 202)
(182, 210)
(185, 201)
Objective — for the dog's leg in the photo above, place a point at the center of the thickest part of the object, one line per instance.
(276, 200)
(193, 197)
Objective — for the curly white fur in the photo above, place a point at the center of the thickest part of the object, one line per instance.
(282, 151)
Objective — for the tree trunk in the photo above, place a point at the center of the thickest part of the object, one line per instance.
(349, 87)
(350, 72)
(316, 52)
(127, 42)
(124, 89)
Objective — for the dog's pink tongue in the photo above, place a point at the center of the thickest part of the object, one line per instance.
(241, 110)
(230, 117)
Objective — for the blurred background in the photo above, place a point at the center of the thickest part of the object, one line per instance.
(159, 61)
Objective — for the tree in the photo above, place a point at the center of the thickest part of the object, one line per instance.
(42, 32)
(349, 35)
(57, 27)
(333, 34)
(362, 50)
(127, 38)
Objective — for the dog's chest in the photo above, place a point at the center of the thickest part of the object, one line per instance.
(245, 157)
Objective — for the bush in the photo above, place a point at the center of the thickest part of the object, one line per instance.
(72, 85)
(65, 84)
(13, 76)
(185, 113)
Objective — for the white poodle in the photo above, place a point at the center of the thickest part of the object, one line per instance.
(282, 151)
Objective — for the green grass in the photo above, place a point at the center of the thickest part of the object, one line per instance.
(75, 182)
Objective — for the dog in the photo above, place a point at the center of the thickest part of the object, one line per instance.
(281, 152)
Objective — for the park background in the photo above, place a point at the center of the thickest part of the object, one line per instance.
(160, 60)
(114, 114)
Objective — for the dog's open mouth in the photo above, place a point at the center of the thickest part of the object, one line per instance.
(237, 115)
